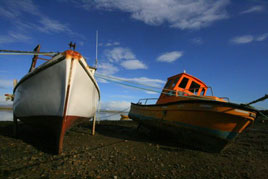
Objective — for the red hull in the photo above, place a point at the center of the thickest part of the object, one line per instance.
(55, 125)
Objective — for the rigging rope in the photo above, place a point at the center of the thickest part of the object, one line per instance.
(30, 53)
(120, 81)
(147, 89)
(112, 78)
(19, 52)
(263, 115)
(116, 113)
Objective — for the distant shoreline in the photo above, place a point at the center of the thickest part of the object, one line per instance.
(6, 108)
(110, 111)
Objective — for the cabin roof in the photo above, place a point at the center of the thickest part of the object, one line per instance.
(190, 76)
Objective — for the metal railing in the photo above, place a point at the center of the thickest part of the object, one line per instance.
(146, 99)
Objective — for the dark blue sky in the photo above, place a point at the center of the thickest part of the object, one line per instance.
(223, 43)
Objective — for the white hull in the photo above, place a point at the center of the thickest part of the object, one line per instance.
(56, 94)
(65, 88)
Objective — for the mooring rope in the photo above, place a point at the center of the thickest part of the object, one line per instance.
(263, 115)
(124, 84)
(116, 113)
(125, 80)
(132, 85)
(147, 89)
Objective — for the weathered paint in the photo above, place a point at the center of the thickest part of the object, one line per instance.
(44, 97)
(197, 118)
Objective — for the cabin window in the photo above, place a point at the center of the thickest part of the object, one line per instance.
(168, 84)
(184, 82)
(175, 82)
(194, 87)
(202, 92)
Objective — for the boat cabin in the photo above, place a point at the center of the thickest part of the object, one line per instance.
(182, 84)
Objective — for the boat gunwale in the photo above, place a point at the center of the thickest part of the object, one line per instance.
(39, 69)
(93, 79)
(225, 104)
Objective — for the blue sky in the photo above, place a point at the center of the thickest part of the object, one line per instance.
(222, 42)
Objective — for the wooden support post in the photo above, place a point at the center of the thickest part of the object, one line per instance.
(15, 130)
(93, 125)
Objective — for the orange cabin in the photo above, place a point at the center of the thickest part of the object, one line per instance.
(182, 85)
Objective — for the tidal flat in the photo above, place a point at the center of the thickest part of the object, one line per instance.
(118, 150)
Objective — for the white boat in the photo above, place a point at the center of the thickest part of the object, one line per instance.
(56, 94)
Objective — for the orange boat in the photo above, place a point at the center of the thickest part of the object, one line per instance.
(183, 110)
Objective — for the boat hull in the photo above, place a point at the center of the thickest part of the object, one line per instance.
(56, 95)
(207, 125)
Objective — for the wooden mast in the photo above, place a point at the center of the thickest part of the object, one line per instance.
(35, 57)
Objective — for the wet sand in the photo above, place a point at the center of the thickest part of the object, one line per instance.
(118, 150)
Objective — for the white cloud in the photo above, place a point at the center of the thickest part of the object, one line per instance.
(182, 14)
(122, 96)
(50, 25)
(3, 101)
(81, 43)
(115, 105)
(148, 81)
(13, 37)
(116, 43)
(197, 41)
(243, 39)
(253, 9)
(6, 13)
(14, 8)
(119, 53)
(14, 11)
(125, 57)
(109, 44)
(157, 83)
(150, 92)
(262, 37)
(133, 65)
(107, 68)
(18, 36)
(6, 39)
(6, 84)
(170, 56)
(143, 81)
(249, 38)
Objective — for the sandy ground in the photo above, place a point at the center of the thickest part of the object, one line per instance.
(118, 150)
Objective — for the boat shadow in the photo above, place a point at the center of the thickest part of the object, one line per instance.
(128, 130)
(39, 139)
